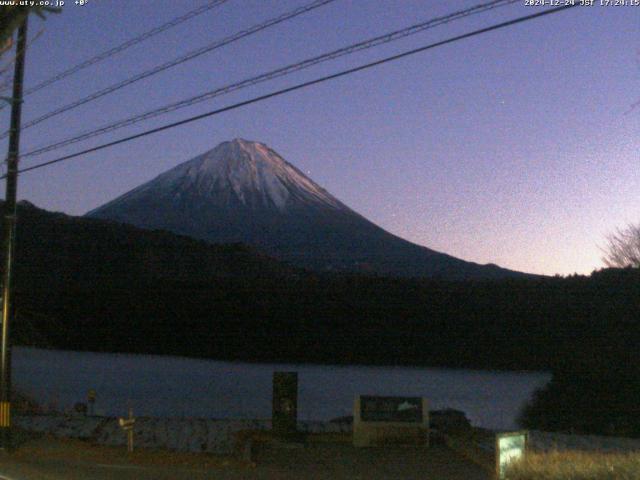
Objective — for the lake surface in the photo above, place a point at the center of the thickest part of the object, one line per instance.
(184, 387)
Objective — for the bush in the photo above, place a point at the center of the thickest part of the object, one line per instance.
(23, 404)
(596, 395)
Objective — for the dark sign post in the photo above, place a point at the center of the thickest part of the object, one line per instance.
(285, 404)
(91, 400)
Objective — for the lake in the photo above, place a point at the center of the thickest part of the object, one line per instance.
(184, 387)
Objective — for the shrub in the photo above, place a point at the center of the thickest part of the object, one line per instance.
(595, 395)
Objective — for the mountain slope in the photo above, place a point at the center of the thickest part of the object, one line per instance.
(87, 284)
(56, 251)
(243, 191)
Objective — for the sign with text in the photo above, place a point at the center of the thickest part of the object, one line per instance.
(127, 425)
(390, 409)
(379, 420)
(510, 447)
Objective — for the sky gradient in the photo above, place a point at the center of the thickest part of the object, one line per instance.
(519, 147)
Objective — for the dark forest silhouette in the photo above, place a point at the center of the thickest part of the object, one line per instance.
(86, 284)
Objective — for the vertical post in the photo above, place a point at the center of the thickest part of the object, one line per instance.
(130, 432)
(9, 238)
(91, 400)
(284, 416)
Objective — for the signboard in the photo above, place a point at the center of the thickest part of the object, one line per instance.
(391, 409)
(127, 425)
(510, 447)
(284, 415)
(390, 420)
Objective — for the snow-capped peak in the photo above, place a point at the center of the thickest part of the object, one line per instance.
(249, 170)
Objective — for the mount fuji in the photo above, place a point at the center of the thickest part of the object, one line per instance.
(243, 191)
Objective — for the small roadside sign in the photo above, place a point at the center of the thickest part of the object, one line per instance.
(127, 425)
(510, 447)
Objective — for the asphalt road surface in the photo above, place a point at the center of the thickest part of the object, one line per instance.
(52, 459)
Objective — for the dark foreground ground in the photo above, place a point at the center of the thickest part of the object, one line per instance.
(55, 459)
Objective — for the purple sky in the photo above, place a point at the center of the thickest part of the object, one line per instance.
(515, 147)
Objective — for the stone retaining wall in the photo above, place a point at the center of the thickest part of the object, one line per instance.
(181, 434)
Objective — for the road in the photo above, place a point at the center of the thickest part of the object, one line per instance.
(53, 459)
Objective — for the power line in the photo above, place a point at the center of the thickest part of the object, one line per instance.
(363, 45)
(129, 43)
(177, 61)
(301, 86)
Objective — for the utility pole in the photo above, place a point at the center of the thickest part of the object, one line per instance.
(9, 238)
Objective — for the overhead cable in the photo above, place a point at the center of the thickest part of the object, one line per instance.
(300, 86)
(363, 45)
(123, 46)
(177, 61)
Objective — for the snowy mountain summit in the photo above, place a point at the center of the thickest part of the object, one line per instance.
(243, 191)
(235, 172)
(250, 171)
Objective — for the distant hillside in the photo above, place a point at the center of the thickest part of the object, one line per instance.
(58, 251)
(87, 284)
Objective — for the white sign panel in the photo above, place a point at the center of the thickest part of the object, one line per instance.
(510, 447)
